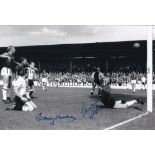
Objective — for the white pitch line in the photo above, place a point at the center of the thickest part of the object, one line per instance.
(127, 121)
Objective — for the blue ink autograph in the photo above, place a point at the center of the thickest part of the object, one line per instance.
(86, 111)
(90, 111)
(51, 120)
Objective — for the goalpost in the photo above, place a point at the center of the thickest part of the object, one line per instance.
(149, 69)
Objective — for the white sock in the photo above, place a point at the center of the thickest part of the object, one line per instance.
(4, 93)
(130, 103)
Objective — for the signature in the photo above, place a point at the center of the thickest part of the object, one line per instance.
(90, 111)
(52, 120)
(86, 112)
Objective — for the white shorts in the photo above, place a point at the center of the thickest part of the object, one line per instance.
(133, 81)
(44, 80)
(6, 71)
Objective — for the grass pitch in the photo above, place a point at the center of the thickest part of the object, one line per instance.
(58, 105)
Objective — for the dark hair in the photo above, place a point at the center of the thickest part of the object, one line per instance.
(22, 59)
(22, 71)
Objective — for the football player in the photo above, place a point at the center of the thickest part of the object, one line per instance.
(6, 72)
(110, 101)
(31, 72)
(22, 100)
(97, 78)
(23, 64)
(133, 79)
(44, 80)
(143, 82)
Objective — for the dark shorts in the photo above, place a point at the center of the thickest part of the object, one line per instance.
(108, 101)
(97, 81)
(30, 83)
(18, 103)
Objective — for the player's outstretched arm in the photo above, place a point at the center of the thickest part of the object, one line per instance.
(4, 56)
(36, 69)
(16, 63)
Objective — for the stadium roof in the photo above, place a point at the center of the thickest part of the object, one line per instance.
(102, 49)
(29, 35)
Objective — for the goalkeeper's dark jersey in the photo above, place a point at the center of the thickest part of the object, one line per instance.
(107, 99)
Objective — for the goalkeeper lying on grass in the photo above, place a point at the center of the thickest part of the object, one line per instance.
(110, 102)
(22, 99)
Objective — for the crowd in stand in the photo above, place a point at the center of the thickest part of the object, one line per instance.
(114, 78)
(69, 77)
(81, 74)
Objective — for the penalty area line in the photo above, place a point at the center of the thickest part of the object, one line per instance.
(127, 121)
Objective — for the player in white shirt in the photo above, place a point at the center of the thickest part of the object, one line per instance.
(143, 82)
(133, 79)
(44, 80)
(31, 72)
(22, 100)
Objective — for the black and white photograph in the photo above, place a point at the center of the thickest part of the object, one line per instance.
(76, 77)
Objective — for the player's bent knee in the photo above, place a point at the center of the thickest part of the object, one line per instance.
(25, 108)
(30, 107)
(33, 104)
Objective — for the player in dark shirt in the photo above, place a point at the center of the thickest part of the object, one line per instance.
(97, 79)
(6, 72)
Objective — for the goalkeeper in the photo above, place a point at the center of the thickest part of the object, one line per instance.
(110, 102)
(104, 91)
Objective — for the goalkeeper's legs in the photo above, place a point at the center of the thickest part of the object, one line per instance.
(122, 104)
